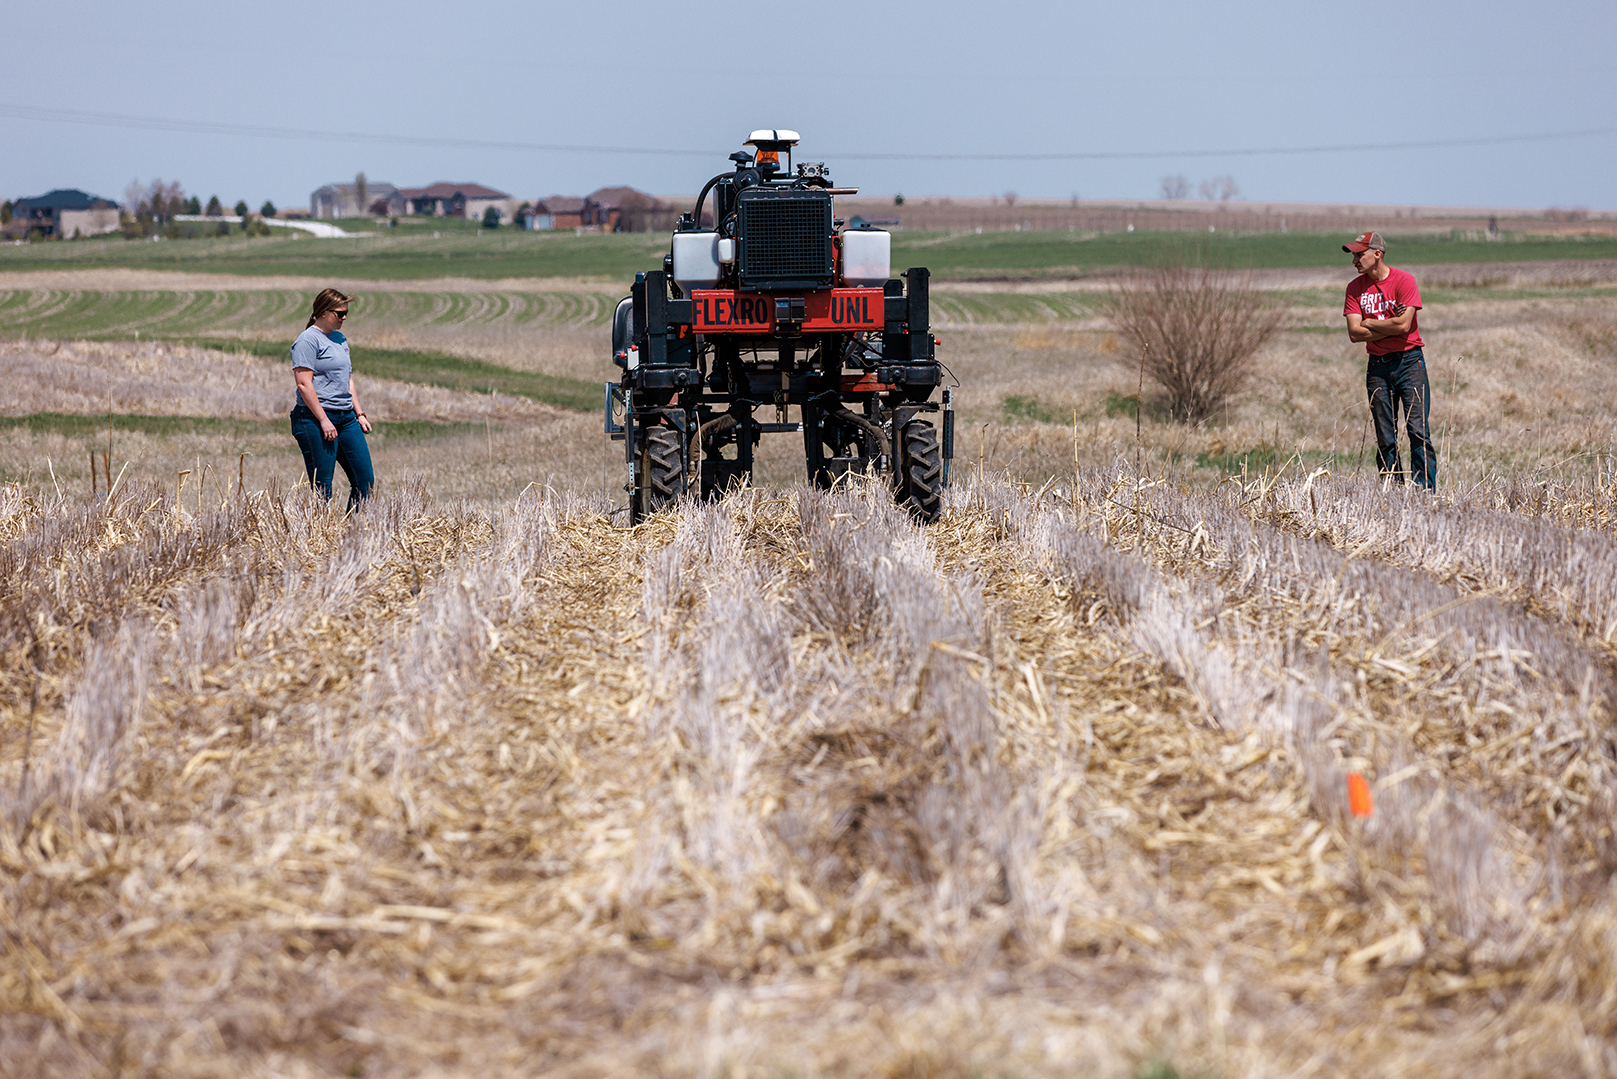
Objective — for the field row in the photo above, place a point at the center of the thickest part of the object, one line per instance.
(279, 313)
(79, 314)
(1058, 785)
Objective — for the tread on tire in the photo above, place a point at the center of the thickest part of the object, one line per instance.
(919, 478)
(662, 472)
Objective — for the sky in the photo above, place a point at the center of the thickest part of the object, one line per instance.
(923, 98)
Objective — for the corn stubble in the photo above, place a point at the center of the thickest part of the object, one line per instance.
(789, 784)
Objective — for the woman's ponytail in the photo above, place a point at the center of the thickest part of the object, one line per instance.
(326, 301)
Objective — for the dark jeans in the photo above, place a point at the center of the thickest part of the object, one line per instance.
(348, 449)
(1398, 380)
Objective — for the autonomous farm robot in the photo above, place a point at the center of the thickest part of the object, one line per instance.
(770, 304)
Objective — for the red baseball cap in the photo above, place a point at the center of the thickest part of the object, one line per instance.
(1366, 242)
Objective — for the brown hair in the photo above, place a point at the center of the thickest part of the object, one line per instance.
(327, 301)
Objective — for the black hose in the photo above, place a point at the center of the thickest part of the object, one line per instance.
(700, 199)
(857, 420)
(716, 426)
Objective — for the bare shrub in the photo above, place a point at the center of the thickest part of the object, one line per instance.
(1199, 330)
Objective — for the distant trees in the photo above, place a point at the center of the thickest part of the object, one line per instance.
(156, 202)
(268, 209)
(361, 189)
(491, 218)
(1216, 188)
(149, 207)
(898, 199)
(5, 212)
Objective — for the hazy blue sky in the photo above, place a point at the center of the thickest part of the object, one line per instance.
(853, 78)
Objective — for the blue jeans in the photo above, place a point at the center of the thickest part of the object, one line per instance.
(1398, 380)
(348, 449)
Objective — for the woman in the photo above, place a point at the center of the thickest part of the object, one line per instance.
(327, 419)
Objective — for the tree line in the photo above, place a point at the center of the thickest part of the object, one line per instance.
(150, 209)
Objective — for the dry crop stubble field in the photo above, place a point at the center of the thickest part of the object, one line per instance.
(481, 782)
(792, 785)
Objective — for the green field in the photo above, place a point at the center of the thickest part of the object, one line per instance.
(416, 252)
(405, 254)
(277, 314)
(1050, 253)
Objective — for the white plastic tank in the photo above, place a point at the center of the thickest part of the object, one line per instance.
(696, 259)
(867, 257)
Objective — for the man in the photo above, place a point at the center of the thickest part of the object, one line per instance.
(1381, 312)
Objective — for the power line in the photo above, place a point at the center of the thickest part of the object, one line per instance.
(1265, 151)
(206, 127)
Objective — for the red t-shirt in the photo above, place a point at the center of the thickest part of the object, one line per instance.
(1379, 299)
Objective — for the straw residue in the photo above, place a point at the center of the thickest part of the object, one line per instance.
(789, 783)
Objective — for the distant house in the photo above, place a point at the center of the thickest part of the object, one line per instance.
(457, 200)
(609, 209)
(563, 212)
(533, 216)
(65, 213)
(342, 200)
(623, 209)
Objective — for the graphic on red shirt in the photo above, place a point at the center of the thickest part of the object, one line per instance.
(1380, 299)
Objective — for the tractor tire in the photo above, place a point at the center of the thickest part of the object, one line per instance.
(662, 472)
(919, 479)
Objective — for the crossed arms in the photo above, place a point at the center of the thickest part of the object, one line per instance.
(1361, 329)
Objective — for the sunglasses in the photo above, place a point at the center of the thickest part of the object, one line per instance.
(341, 314)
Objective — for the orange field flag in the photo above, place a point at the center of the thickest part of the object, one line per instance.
(1359, 800)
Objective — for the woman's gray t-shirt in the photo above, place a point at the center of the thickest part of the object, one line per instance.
(327, 357)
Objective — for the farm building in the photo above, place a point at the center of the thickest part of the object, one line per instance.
(457, 200)
(63, 213)
(342, 200)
